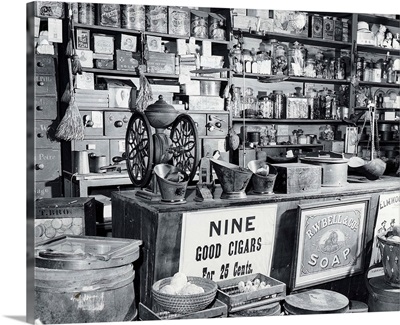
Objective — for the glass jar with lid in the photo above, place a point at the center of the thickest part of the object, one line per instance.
(367, 73)
(310, 70)
(265, 107)
(249, 103)
(319, 65)
(279, 100)
(236, 102)
(377, 71)
(247, 60)
(279, 59)
(297, 59)
(236, 61)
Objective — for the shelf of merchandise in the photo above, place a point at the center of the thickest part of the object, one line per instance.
(295, 79)
(197, 39)
(288, 121)
(377, 50)
(379, 84)
(107, 29)
(111, 72)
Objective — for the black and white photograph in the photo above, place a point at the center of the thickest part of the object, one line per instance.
(202, 162)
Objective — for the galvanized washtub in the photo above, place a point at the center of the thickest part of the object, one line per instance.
(82, 279)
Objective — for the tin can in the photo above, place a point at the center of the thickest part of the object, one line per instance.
(109, 15)
(345, 31)
(179, 21)
(316, 26)
(75, 12)
(338, 30)
(133, 17)
(198, 24)
(86, 13)
(328, 28)
(157, 19)
(217, 27)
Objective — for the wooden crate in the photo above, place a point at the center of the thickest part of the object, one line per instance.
(217, 310)
(228, 292)
(297, 178)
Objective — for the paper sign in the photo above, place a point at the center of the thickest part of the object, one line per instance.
(388, 216)
(97, 119)
(55, 30)
(227, 243)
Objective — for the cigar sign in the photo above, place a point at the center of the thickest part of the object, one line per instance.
(330, 241)
(226, 243)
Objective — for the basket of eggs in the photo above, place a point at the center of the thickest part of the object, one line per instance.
(184, 294)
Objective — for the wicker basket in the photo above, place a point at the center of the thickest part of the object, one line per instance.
(390, 251)
(184, 304)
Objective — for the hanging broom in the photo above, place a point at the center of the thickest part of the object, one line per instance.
(69, 51)
(145, 95)
(71, 126)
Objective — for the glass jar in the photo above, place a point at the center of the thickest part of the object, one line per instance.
(331, 69)
(264, 59)
(249, 103)
(340, 69)
(265, 107)
(376, 72)
(319, 64)
(297, 59)
(236, 102)
(367, 72)
(279, 59)
(360, 66)
(279, 104)
(236, 60)
(309, 70)
(247, 59)
(312, 101)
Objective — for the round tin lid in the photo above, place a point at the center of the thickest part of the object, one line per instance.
(316, 301)
(83, 253)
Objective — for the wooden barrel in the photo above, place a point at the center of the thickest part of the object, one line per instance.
(80, 296)
(382, 296)
(317, 301)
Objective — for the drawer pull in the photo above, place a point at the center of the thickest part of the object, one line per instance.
(125, 120)
(39, 108)
(40, 83)
(40, 135)
(218, 124)
(40, 64)
(39, 166)
(118, 124)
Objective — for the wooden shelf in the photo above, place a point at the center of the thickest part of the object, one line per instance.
(107, 29)
(376, 19)
(294, 79)
(292, 146)
(172, 36)
(288, 121)
(379, 122)
(378, 84)
(377, 49)
(293, 38)
(161, 75)
(111, 72)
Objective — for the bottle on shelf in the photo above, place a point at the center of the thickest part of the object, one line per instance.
(279, 100)
(297, 59)
(279, 59)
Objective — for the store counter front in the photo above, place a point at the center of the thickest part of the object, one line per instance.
(322, 239)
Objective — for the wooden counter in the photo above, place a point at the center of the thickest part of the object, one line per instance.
(159, 226)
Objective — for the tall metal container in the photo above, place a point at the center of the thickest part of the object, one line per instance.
(82, 279)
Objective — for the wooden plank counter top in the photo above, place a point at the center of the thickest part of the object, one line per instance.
(356, 186)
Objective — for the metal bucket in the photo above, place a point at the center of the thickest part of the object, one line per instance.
(233, 179)
(382, 296)
(82, 279)
(334, 168)
(262, 184)
(172, 182)
(372, 170)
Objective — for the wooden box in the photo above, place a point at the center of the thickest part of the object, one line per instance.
(161, 63)
(64, 216)
(217, 310)
(228, 292)
(297, 178)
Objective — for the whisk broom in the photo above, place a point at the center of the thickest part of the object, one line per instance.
(71, 126)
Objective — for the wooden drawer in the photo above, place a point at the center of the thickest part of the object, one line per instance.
(97, 147)
(45, 131)
(47, 189)
(45, 108)
(117, 147)
(47, 164)
(200, 121)
(93, 122)
(115, 123)
(45, 85)
(44, 65)
(217, 124)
